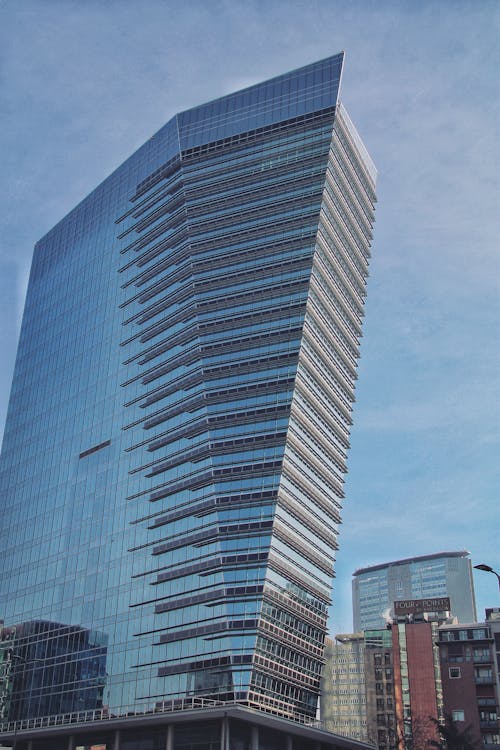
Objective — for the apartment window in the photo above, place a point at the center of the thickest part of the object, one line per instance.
(479, 634)
(455, 672)
(483, 673)
(458, 714)
(488, 716)
(450, 635)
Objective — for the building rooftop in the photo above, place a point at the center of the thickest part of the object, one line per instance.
(407, 560)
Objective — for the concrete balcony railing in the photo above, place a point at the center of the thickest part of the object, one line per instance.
(488, 723)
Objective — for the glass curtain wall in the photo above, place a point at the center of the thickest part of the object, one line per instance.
(176, 440)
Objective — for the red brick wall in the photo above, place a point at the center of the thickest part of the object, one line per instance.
(421, 676)
(461, 693)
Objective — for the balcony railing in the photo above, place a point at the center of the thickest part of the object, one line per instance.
(482, 680)
(104, 714)
(488, 723)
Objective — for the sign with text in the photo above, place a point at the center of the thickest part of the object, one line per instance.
(417, 606)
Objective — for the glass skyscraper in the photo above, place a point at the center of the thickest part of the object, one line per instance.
(442, 574)
(175, 449)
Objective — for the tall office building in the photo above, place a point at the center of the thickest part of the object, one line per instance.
(343, 688)
(444, 574)
(175, 449)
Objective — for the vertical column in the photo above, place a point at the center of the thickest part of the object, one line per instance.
(71, 743)
(224, 735)
(116, 740)
(170, 737)
(289, 742)
(255, 738)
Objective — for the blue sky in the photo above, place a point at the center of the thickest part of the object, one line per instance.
(83, 84)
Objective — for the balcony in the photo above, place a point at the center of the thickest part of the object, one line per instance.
(482, 680)
(485, 659)
(488, 723)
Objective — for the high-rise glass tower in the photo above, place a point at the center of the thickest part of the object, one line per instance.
(177, 434)
(442, 574)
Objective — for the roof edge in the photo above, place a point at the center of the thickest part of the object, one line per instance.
(407, 560)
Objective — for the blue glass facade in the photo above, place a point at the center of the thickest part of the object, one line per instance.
(176, 441)
(375, 589)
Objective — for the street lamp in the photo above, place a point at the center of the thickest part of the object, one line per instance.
(488, 569)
